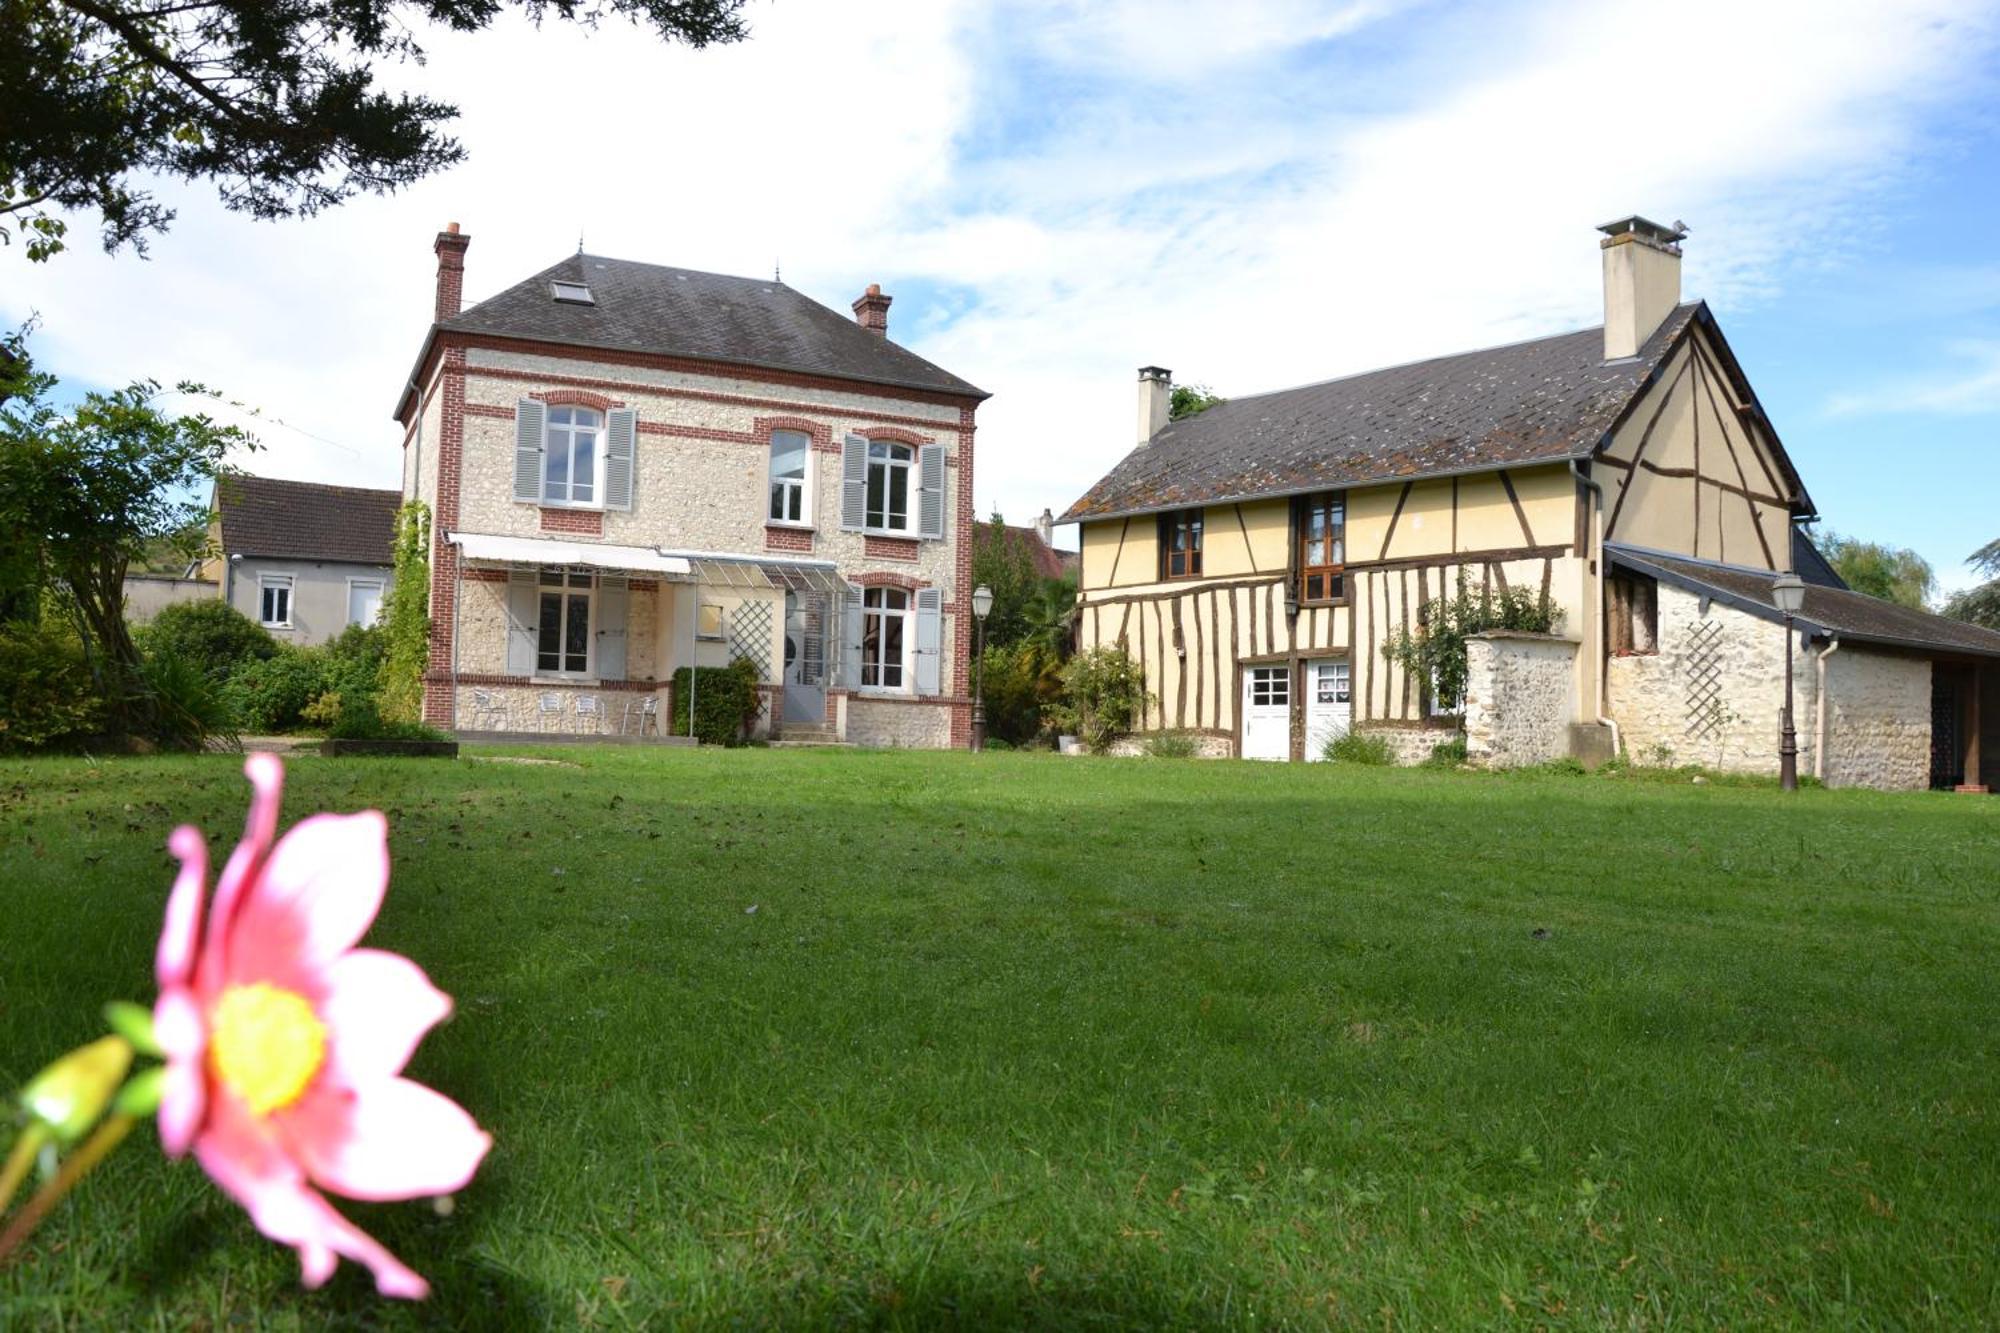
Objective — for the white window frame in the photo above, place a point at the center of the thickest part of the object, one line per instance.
(802, 486)
(569, 428)
(267, 582)
(890, 459)
(381, 587)
(1270, 682)
(1339, 676)
(707, 633)
(907, 614)
(567, 591)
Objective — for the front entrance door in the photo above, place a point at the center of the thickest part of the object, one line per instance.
(1267, 712)
(805, 657)
(1329, 690)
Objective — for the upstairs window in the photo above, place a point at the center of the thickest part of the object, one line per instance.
(1180, 544)
(572, 293)
(789, 451)
(889, 486)
(1323, 547)
(569, 460)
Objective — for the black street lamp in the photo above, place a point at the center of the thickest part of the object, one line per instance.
(982, 602)
(1788, 592)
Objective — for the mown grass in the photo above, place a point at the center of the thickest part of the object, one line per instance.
(1024, 1041)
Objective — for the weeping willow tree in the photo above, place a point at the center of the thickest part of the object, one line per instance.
(406, 619)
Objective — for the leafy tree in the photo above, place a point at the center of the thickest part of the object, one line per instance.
(1890, 573)
(1980, 605)
(1004, 565)
(1188, 399)
(273, 100)
(89, 491)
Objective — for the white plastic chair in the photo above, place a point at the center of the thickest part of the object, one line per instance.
(549, 709)
(590, 714)
(489, 711)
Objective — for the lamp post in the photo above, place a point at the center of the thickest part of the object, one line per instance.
(1788, 592)
(982, 602)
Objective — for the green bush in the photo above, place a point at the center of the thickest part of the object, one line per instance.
(997, 743)
(406, 618)
(208, 634)
(1447, 754)
(47, 697)
(725, 702)
(188, 707)
(1172, 745)
(1104, 693)
(361, 721)
(351, 671)
(1019, 683)
(1359, 747)
(272, 694)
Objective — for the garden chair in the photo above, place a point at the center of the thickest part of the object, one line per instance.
(645, 711)
(589, 714)
(549, 710)
(489, 711)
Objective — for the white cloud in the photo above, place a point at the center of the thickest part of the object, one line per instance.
(1253, 195)
(1972, 387)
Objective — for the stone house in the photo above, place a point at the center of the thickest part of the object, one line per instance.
(633, 469)
(1256, 559)
(303, 560)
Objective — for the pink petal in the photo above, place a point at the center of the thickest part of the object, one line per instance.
(377, 1006)
(386, 1139)
(267, 783)
(173, 961)
(178, 1026)
(315, 897)
(253, 1170)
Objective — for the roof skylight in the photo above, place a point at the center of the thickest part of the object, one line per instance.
(574, 293)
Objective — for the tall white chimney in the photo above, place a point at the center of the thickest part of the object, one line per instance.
(1156, 388)
(1642, 281)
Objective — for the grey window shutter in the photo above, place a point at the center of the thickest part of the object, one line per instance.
(621, 441)
(530, 423)
(850, 640)
(930, 638)
(853, 483)
(930, 491)
(522, 621)
(613, 597)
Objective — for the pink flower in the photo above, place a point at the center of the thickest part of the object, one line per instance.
(285, 1043)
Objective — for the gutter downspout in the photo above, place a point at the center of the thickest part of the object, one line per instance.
(1603, 648)
(1819, 729)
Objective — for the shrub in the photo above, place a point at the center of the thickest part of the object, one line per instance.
(210, 635)
(1436, 652)
(725, 700)
(1172, 745)
(1103, 694)
(406, 618)
(272, 694)
(1018, 683)
(188, 707)
(997, 743)
(47, 697)
(351, 670)
(1447, 754)
(1359, 747)
(361, 721)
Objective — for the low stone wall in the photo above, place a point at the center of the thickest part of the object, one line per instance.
(894, 724)
(1518, 697)
(520, 708)
(1878, 721)
(1207, 744)
(1409, 742)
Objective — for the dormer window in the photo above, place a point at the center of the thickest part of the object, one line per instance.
(572, 293)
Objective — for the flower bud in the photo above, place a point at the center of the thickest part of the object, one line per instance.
(72, 1093)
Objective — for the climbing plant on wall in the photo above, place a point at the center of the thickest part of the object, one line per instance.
(1436, 651)
(406, 618)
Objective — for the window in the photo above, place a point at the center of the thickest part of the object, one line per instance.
(562, 632)
(1270, 687)
(883, 613)
(1333, 683)
(1322, 547)
(572, 293)
(364, 601)
(889, 486)
(1634, 619)
(1180, 545)
(708, 620)
(274, 600)
(789, 451)
(569, 462)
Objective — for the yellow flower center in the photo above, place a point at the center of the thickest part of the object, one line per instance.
(265, 1043)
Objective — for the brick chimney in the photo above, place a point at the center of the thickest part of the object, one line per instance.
(871, 312)
(1156, 391)
(450, 248)
(1642, 281)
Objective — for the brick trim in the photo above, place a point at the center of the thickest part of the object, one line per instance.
(696, 395)
(485, 575)
(961, 532)
(441, 703)
(882, 579)
(537, 683)
(895, 434)
(951, 701)
(888, 548)
(573, 522)
(576, 398)
(778, 537)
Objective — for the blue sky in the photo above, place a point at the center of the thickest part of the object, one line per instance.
(1255, 196)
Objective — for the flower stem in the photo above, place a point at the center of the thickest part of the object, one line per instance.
(33, 1135)
(94, 1150)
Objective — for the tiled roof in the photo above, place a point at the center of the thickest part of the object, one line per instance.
(1835, 611)
(706, 316)
(299, 520)
(1049, 563)
(1546, 400)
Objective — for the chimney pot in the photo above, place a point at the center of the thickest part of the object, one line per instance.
(450, 248)
(1156, 388)
(871, 311)
(1642, 281)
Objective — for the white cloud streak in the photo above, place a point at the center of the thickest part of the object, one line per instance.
(1972, 388)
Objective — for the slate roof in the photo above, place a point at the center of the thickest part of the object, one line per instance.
(1545, 400)
(705, 316)
(300, 520)
(1827, 611)
(1810, 564)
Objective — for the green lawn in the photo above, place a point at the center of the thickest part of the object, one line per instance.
(1020, 1040)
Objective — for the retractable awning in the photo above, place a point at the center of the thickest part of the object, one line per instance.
(540, 551)
(722, 569)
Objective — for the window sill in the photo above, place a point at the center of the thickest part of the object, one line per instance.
(789, 525)
(900, 534)
(1323, 601)
(587, 507)
(883, 692)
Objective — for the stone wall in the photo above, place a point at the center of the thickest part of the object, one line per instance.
(1518, 693)
(1878, 721)
(1409, 742)
(1207, 745)
(895, 725)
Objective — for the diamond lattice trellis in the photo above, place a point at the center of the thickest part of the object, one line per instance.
(1703, 656)
(750, 636)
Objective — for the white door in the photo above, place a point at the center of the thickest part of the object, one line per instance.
(1267, 712)
(1329, 691)
(364, 601)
